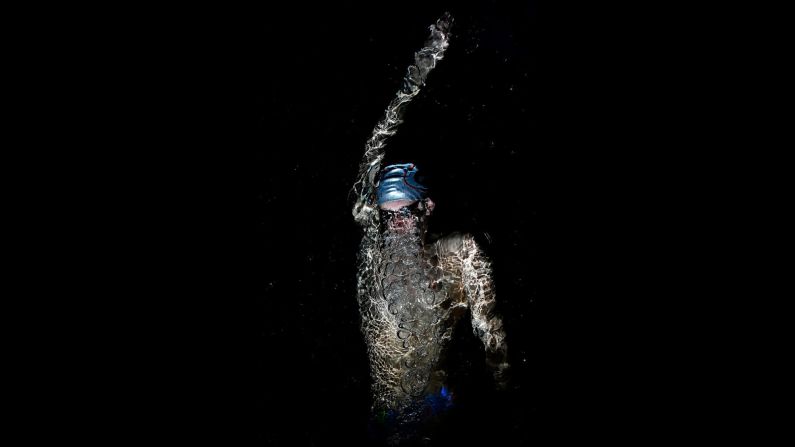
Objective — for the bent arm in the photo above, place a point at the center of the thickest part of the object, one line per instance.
(486, 324)
(424, 61)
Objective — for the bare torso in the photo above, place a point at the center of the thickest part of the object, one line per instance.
(414, 301)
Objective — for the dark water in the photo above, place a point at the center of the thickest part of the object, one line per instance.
(471, 129)
(507, 126)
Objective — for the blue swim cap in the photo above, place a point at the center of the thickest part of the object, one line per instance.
(399, 182)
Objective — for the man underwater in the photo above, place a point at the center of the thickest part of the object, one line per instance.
(411, 293)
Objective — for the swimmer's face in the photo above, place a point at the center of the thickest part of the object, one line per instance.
(404, 216)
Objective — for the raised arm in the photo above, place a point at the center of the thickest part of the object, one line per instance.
(479, 287)
(424, 61)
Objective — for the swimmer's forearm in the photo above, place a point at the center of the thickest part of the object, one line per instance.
(424, 61)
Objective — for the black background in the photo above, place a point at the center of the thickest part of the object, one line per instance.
(530, 144)
(472, 130)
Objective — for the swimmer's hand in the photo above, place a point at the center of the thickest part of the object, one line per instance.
(502, 376)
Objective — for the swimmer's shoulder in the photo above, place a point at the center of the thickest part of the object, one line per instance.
(449, 243)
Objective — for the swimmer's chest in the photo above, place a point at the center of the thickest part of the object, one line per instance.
(428, 283)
